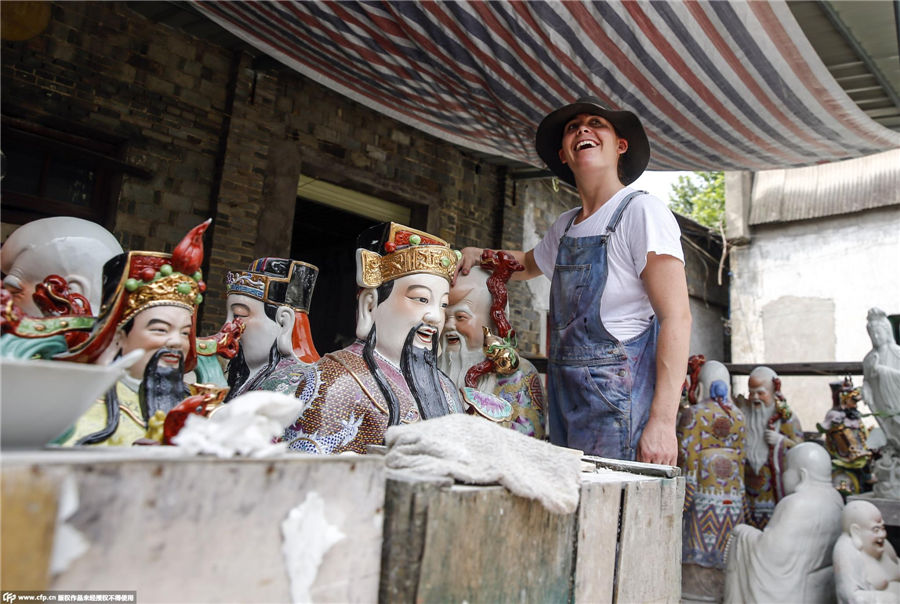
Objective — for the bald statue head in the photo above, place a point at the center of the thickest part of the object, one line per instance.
(807, 464)
(710, 372)
(864, 524)
(72, 248)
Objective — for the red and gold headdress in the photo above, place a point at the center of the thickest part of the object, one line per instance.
(407, 251)
(135, 281)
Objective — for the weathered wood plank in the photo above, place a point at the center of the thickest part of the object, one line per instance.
(192, 529)
(649, 567)
(406, 507)
(27, 524)
(598, 525)
(484, 544)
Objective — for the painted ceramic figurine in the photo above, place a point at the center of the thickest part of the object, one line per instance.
(845, 439)
(790, 560)
(771, 429)
(478, 346)
(881, 391)
(149, 303)
(389, 375)
(866, 568)
(271, 299)
(72, 250)
(711, 455)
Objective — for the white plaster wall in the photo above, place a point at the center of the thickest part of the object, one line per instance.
(849, 263)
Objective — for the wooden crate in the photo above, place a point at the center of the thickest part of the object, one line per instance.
(191, 529)
(445, 542)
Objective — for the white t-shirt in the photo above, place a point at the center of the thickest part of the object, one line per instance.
(647, 225)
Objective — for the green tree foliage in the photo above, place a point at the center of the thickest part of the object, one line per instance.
(700, 196)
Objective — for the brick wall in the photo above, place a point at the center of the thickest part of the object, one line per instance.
(97, 67)
(165, 94)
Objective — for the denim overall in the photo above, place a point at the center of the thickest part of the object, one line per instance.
(600, 389)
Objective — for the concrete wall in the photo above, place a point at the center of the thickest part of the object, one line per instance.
(800, 292)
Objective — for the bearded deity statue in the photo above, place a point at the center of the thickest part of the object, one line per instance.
(866, 567)
(478, 347)
(271, 300)
(771, 429)
(711, 455)
(791, 559)
(881, 391)
(149, 303)
(389, 376)
(72, 251)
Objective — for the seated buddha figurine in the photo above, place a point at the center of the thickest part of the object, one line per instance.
(866, 568)
(791, 559)
(271, 299)
(389, 375)
(478, 350)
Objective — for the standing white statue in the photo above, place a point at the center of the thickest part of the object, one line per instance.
(790, 561)
(73, 248)
(866, 568)
(881, 376)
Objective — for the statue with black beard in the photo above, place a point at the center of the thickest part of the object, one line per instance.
(389, 375)
(125, 410)
(271, 299)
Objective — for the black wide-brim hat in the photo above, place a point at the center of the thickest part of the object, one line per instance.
(548, 140)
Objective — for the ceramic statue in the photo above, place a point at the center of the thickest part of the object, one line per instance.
(271, 299)
(845, 439)
(478, 346)
(771, 429)
(790, 560)
(389, 375)
(881, 392)
(149, 304)
(866, 568)
(72, 250)
(711, 456)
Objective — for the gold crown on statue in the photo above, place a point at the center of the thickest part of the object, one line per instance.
(407, 251)
(173, 289)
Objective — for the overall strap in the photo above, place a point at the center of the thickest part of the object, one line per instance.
(569, 226)
(617, 215)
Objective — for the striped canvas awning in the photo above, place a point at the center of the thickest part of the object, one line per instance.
(719, 85)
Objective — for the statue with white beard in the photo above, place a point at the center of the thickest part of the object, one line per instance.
(468, 326)
(771, 429)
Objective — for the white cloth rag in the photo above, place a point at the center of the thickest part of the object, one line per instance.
(247, 425)
(476, 451)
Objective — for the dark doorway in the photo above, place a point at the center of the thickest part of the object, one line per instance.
(326, 237)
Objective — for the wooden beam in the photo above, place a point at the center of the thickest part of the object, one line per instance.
(782, 369)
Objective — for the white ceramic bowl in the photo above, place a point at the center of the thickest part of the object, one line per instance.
(39, 400)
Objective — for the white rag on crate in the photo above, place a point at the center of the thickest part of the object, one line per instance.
(476, 451)
(246, 426)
